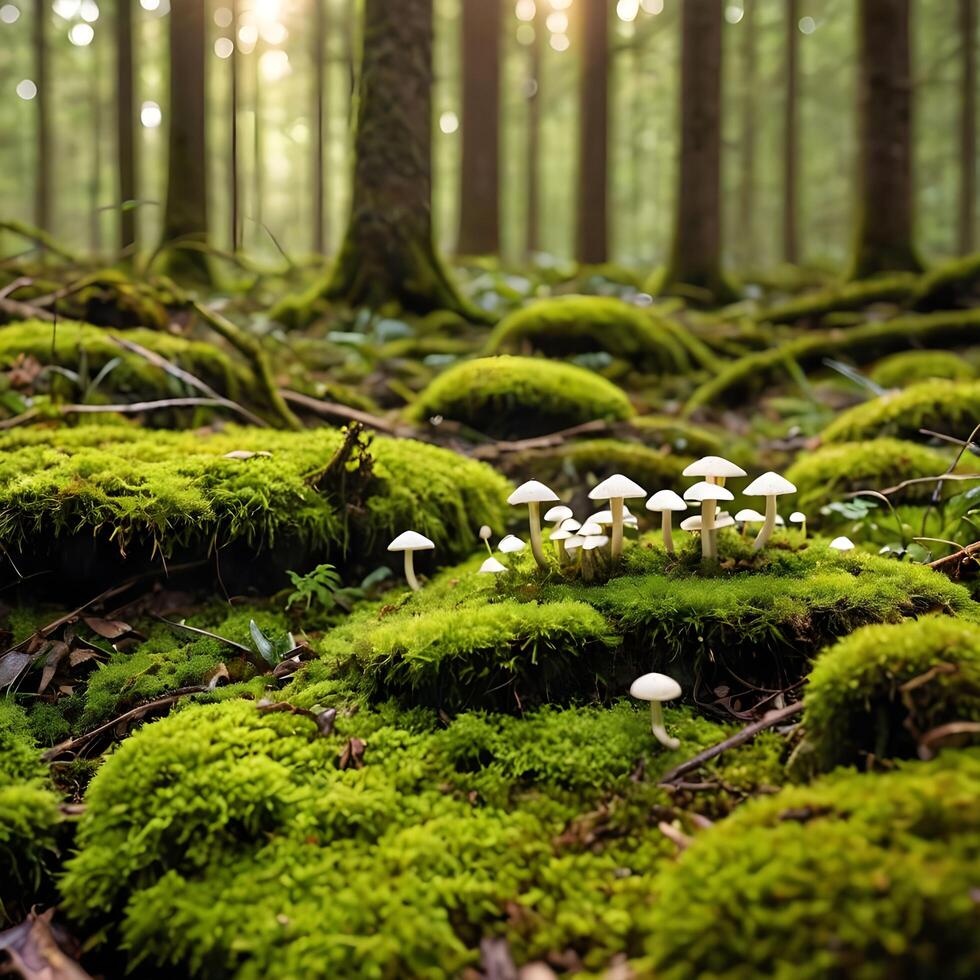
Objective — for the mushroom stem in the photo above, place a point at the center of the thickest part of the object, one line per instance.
(668, 520)
(768, 524)
(616, 541)
(534, 523)
(413, 582)
(587, 567)
(803, 528)
(657, 725)
(708, 528)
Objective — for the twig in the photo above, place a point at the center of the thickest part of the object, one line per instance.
(127, 408)
(345, 413)
(679, 838)
(24, 311)
(917, 480)
(928, 741)
(14, 285)
(957, 558)
(502, 447)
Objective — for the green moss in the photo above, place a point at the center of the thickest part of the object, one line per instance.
(678, 434)
(19, 761)
(950, 284)
(874, 464)
(951, 408)
(857, 702)
(857, 876)
(520, 396)
(894, 288)
(910, 366)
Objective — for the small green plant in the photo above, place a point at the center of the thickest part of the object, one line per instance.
(322, 584)
(273, 652)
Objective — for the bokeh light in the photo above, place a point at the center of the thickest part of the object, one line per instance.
(26, 89)
(449, 122)
(150, 115)
(81, 35)
(559, 42)
(223, 47)
(9, 14)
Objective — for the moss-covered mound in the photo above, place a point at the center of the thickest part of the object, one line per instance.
(878, 691)
(951, 408)
(141, 493)
(855, 876)
(874, 464)
(910, 366)
(509, 397)
(679, 435)
(569, 325)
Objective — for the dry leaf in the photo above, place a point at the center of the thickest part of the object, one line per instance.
(109, 629)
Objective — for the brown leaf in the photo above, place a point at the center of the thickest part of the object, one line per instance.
(215, 675)
(12, 665)
(56, 653)
(109, 629)
(81, 656)
(353, 754)
(37, 950)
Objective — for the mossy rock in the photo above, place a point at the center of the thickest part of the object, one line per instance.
(509, 397)
(858, 875)
(873, 694)
(910, 366)
(567, 325)
(829, 472)
(950, 408)
(122, 493)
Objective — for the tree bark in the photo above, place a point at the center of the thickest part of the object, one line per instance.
(319, 37)
(885, 198)
(532, 229)
(968, 127)
(186, 214)
(746, 240)
(791, 180)
(694, 267)
(388, 254)
(42, 106)
(233, 143)
(479, 204)
(125, 127)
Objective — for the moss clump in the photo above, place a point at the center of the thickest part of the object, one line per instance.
(568, 325)
(877, 691)
(951, 408)
(830, 471)
(858, 876)
(508, 397)
(910, 366)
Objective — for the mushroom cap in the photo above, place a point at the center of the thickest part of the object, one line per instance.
(575, 541)
(842, 544)
(532, 492)
(630, 521)
(797, 517)
(750, 516)
(510, 544)
(713, 466)
(779, 522)
(410, 541)
(559, 513)
(600, 517)
(666, 500)
(559, 534)
(769, 485)
(570, 525)
(590, 528)
(491, 567)
(694, 523)
(707, 491)
(655, 687)
(616, 487)
(691, 523)
(595, 541)
(486, 532)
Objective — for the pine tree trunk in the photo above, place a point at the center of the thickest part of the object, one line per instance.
(746, 237)
(95, 180)
(125, 126)
(388, 254)
(186, 214)
(591, 245)
(885, 198)
(233, 144)
(42, 106)
(968, 127)
(319, 37)
(532, 229)
(694, 268)
(791, 251)
(479, 205)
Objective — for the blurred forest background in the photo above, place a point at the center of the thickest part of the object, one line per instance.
(788, 102)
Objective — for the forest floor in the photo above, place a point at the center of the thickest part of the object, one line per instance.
(234, 743)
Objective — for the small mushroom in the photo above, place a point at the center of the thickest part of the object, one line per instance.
(558, 514)
(590, 528)
(798, 517)
(708, 495)
(657, 688)
(842, 544)
(492, 567)
(722, 520)
(510, 544)
(617, 489)
(534, 494)
(560, 536)
(569, 525)
(486, 533)
(595, 541)
(410, 542)
(664, 503)
(770, 485)
(574, 542)
(713, 469)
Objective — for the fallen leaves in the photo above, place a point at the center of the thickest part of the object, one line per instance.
(39, 949)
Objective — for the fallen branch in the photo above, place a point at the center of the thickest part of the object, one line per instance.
(39, 237)
(344, 413)
(24, 311)
(323, 720)
(920, 479)
(928, 742)
(494, 449)
(970, 553)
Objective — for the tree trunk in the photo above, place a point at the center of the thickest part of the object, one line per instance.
(885, 199)
(125, 127)
(95, 181)
(591, 245)
(791, 251)
(233, 143)
(319, 36)
(694, 267)
(186, 214)
(746, 241)
(42, 180)
(968, 127)
(479, 203)
(532, 230)
(388, 254)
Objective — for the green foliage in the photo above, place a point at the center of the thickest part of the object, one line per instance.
(910, 366)
(878, 690)
(858, 875)
(321, 584)
(520, 396)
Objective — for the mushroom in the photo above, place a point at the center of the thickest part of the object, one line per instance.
(713, 469)
(574, 542)
(590, 528)
(708, 494)
(492, 567)
(534, 494)
(592, 543)
(664, 503)
(770, 485)
(558, 514)
(657, 688)
(485, 534)
(560, 536)
(510, 544)
(595, 541)
(616, 489)
(410, 542)
(569, 525)
(842, 544)
(798, 517)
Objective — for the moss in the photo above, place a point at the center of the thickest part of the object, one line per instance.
(874, 464)
(950, 284)
(894, 288)
(857, 875)
(678, 434)
(910, 366)
(858, 704)
(951, 408)
(520, 396)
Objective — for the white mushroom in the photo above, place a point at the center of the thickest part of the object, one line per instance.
(657, 688)
(492, 567)
(713, 469)
(770, 485)
(842, 544)
(560, 536)
(749, 516)
(798, 517)
(595, 541)
(510, 544)
(485, 534)
(616, 489)
(570, 525)
(664, 503)
(708, 494)
(558, 514)
(574, 542)
(722, 520)
(410, 542)
(534, 494)
(590, 528)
